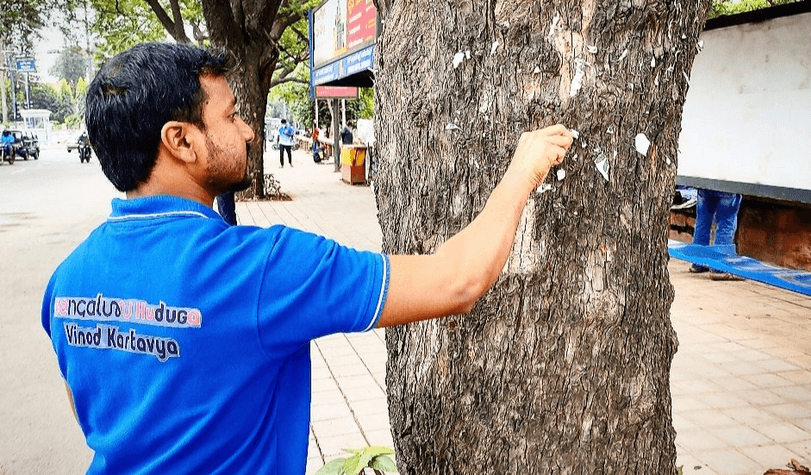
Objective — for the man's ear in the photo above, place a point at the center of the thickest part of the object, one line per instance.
(178, 139)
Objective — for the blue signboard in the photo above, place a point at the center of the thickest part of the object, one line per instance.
(26, 65)
(361, 60)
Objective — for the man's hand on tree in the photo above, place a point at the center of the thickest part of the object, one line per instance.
(538, 151)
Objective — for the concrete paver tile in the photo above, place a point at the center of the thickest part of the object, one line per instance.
(723, 347)
(758, 343)
(730, 462)
(776, 365)
(380, 437)
(752, 355)
(739, 436)
(735, 383)
(696, 440)
(683, 375)
(691, 465)
(344, 360)
(770, 456)
(372, 407)
(804, 423)
(794, 393)
(802, 376)
(802, 361)
(723, 400)
(767, 380)
(688, 403)
(698, 387)
(349, 370)
(752, 416)
(358, 381)
(335, 427)
(803, 449)
(790, 411)
(783, 432)
(329, 412)
(357, 395)
(328, 398)
(741, 368)
(313, 465)
(681, 423)
(321, 373)
(762, 397)
(710, 418)
(712, 372)
(333, 447)
(373, 422)
(324, 384)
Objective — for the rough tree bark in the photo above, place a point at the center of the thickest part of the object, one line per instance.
(564, 366)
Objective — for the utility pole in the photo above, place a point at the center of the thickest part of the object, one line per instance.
(3, 70)
(336, 134)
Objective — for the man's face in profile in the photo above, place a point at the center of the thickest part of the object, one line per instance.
(226, 137)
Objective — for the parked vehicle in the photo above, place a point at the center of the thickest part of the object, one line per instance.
(27, 144)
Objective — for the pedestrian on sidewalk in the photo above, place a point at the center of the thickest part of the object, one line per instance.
(722, 208)
(316, 145)
(286, 139)
(184, 342)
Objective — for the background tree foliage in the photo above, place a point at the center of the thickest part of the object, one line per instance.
(20, 20)
(70, 65)
(728, 7)
(301, 107)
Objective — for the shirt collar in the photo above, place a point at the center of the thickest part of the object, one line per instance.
(159, 206)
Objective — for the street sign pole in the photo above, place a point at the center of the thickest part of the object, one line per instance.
(13, 94)
(28, 90)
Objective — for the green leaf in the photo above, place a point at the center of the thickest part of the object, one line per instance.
(376, 450)
(383, 463)
(333, 467)
(354, 464)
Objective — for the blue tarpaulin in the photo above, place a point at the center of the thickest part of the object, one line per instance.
(725, 259)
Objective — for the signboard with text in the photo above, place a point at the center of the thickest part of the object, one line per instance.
(26, 65)
(342, 37)
(336, 92)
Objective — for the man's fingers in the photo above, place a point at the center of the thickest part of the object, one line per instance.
(564, 141)
(557, 129)
(558, 154)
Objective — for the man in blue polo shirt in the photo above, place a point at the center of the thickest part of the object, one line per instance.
(184, 342)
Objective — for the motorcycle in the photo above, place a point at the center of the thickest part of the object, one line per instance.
(7, 155)
(84, 152)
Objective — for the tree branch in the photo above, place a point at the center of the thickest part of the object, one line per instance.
(167, 22)
(179, 31)
(276, 82)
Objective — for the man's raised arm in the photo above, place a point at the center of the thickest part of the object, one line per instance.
(451, 280)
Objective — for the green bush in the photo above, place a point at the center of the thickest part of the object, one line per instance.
(726, 7)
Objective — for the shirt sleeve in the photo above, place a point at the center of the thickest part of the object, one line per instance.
(313, 286)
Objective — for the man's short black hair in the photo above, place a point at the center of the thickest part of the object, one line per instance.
(134, 95)
(284, 121)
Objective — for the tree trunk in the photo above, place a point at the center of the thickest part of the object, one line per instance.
(250, 87)
(563, 367)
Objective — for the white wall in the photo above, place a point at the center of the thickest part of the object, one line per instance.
(747, 116)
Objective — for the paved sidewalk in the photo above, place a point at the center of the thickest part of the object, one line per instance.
(741, 381)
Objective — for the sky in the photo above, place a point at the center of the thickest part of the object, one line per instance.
(45, 53)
